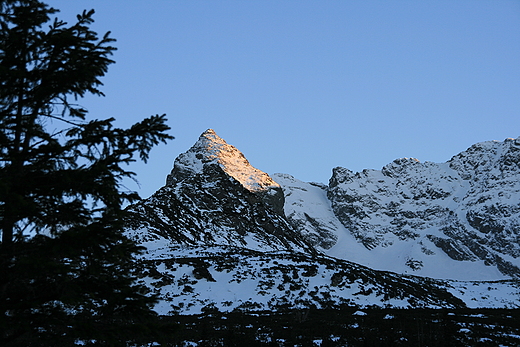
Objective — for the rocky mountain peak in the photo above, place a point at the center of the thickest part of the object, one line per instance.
(213, 195)
(488, 159)
(211, 149)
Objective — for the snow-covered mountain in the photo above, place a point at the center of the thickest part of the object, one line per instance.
(223, 234)
(458, 220)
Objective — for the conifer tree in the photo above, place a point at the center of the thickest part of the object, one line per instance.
(66, 271)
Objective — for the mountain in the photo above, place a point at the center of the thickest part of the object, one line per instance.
(224, 235)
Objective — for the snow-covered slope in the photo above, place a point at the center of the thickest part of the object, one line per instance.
(191, 280)
(226, 279)
(309, 211)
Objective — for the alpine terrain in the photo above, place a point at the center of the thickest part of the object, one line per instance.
(223, 236)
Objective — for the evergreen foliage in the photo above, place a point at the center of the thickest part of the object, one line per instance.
(65, 267)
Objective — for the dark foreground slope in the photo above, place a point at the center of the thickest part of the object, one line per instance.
(351, 327)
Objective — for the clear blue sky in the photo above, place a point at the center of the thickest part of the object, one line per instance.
(301, 87)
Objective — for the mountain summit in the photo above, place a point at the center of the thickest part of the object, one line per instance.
(212, 149)
(458, 220)
(464, 213)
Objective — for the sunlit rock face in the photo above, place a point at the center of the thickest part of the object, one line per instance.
(213, 196)
(467, 208)
(212, 153)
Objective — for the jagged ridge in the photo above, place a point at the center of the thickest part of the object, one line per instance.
(467, 208)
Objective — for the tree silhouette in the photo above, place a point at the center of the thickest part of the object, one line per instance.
(66, 270)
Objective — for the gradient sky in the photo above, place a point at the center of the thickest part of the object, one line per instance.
(301, 87)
